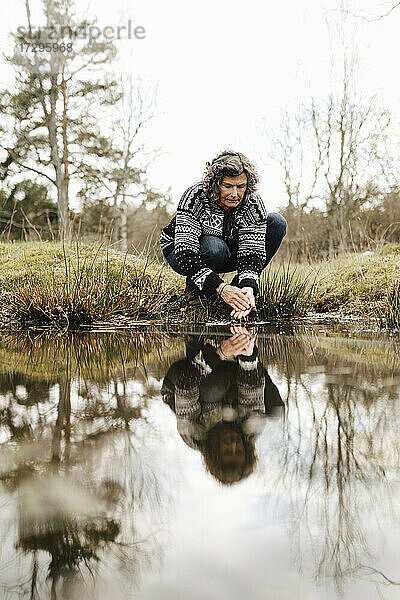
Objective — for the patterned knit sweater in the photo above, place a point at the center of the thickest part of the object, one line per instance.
(245, 226)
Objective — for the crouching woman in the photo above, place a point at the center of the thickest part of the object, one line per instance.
(221, 225)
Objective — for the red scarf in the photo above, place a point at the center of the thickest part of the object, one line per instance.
(223, 205)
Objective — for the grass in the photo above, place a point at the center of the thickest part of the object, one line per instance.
(285, 292)
(363, 285)
(46, 284)
(391, 313)
(357, 281)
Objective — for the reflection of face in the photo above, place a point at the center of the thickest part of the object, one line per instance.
(232, 190)
(231, 448)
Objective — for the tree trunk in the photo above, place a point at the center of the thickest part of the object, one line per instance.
(124, 226)
(65, 140)
(63, 422)
(343, 227)
(62, 200)
(114, 224)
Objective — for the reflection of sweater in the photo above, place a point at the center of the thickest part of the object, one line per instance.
(244, 226)
(203, 390)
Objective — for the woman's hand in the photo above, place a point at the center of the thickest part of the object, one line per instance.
(235, 297)
(240, 314)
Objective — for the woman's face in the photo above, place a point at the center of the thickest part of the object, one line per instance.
(232, 190)
(231, 446)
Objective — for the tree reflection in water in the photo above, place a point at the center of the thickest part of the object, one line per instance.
(73, 457)
(339, 458)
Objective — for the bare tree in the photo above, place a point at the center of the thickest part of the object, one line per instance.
(300, 175)
(137, 110)
(118, 176)
(347, 134)
(332, 154)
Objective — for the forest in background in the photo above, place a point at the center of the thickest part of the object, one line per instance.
(70, 130)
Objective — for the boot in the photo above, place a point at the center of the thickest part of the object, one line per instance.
(194, 300)
(235, 280)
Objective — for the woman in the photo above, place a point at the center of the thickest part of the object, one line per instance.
(221, 225)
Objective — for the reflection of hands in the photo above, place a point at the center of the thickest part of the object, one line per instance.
(240, 314)
(241, 343)
(249, 347)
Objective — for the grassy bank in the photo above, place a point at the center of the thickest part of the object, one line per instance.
(364, 285)
(70, 287)
(46, 283)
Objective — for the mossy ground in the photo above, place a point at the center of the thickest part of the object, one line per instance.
(358, 284)
(19, 261)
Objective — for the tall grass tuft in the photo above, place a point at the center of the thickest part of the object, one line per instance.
(285, 292)
(391, 316)
(90, 290)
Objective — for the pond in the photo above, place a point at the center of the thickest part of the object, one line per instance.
(200, 464)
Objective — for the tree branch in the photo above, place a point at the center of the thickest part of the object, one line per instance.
(11, 153)
(374, 19)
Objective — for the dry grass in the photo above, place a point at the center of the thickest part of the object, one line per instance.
(67, 287)
(357, 283)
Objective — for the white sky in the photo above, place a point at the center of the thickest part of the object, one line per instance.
(223, 67)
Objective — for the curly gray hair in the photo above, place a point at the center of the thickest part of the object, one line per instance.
(229, 163)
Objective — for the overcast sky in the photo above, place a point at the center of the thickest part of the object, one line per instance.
(223, 68)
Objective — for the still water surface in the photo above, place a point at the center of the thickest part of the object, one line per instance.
(201, 465)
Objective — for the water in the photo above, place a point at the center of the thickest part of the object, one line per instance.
(141, 465)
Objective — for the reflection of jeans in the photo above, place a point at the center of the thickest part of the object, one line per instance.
(222, 258)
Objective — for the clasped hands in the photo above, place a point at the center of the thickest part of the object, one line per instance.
(240, 299)
(241, 343)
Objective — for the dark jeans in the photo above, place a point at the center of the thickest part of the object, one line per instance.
(218, 256)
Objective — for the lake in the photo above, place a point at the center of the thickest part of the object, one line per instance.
(203, 464)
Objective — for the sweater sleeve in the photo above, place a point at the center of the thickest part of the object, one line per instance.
(204, 356)
(187, 246)
(252, 256)
(251, 382)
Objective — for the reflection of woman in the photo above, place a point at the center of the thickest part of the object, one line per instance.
(221, 398)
